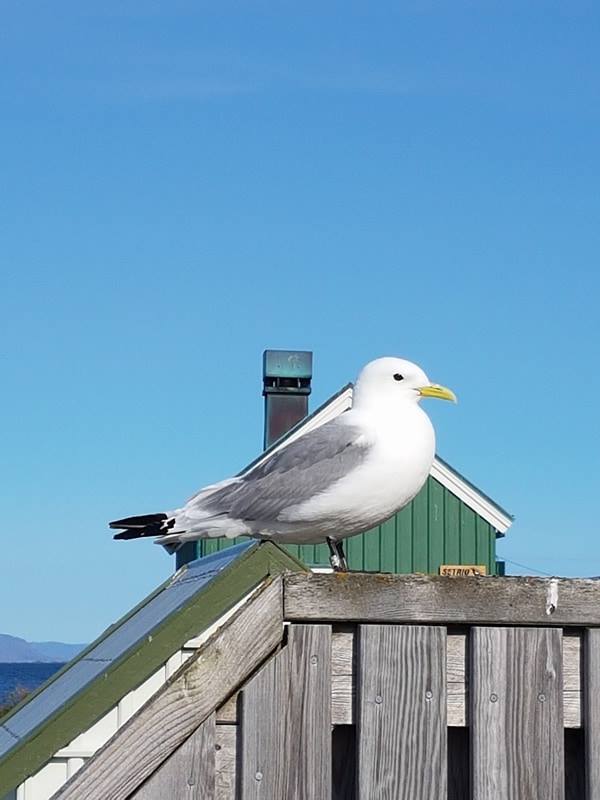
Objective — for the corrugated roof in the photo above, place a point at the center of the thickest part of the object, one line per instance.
(158, 626)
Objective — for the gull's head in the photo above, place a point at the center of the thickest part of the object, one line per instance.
(390, 381)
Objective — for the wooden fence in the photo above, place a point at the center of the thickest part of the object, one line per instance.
(405, 688)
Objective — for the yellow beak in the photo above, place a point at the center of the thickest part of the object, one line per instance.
(441, 392)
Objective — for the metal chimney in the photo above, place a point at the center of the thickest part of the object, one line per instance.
(287, 376)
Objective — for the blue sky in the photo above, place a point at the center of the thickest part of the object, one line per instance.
(186, 184)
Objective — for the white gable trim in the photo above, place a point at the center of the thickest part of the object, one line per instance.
(470, 496)
(450, 480)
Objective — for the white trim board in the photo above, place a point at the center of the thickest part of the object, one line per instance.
(442, 472)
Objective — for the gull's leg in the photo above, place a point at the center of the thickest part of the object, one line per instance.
(334, 556)
(342, 555)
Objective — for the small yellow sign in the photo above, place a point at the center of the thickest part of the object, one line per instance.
(463, 570)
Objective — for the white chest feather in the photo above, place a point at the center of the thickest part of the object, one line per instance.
(400, 453)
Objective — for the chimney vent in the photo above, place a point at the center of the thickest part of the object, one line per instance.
(287, 377)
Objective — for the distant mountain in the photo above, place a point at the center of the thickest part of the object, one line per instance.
(14, 650)
(57, 651)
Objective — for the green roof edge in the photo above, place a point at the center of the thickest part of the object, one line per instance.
(226, 589)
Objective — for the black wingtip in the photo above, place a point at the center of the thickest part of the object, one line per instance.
(136, 522)
(130, 533)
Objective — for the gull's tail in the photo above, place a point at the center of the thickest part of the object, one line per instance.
(142, 526)
(172, 529)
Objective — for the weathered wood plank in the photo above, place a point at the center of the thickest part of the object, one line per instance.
(401, 728)
(225, 762)
(457, 679)
(264, 731)
(517, 739)
(572, 679)
(228, 711)
(343, 674)
(422, 599)
(309, 713)
(286, 721)
(192, 694)
(188, 772)
(592, 713)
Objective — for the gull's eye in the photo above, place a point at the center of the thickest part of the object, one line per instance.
(398, 377)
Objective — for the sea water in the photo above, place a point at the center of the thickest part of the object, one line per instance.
(17, 677)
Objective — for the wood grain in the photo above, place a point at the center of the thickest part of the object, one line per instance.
(517, 735)
(592, 713)
(225, 762)
(309, 713)
(194, 692)
(286, 721)
(343, 679)
(401, 728)
(264, 731)
(188, 773)
(228, 711)
(434, 599)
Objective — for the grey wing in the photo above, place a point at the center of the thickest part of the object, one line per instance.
(292, 475)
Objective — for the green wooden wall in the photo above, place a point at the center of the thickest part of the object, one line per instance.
(435, 528)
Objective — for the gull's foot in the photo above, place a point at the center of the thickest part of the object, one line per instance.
(337, 557)
(335, 562)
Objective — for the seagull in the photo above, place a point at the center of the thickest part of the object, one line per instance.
(340, 479)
